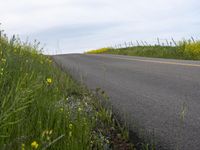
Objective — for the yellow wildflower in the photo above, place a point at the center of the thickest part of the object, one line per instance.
(23, 146)
(34, 145)
(49, 80)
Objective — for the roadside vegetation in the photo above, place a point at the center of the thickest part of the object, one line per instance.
(187, 49)
(42, 107)
(101, 50)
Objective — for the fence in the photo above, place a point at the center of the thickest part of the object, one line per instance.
(157, 42)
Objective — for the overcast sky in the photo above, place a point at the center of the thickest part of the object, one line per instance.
(69, 26)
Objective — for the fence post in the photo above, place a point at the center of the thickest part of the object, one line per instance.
(125, 44)
(193, 39)
(167, 42)
(138, 43)
(131, 43)
(158, 41)
(142, 43)
(0, 31)
(174, 42)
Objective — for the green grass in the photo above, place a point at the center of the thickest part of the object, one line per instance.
(184, 50)
(42, 107)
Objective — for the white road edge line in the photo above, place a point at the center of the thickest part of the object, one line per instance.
(152, 61)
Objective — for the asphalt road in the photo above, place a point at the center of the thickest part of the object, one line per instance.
(159, 98)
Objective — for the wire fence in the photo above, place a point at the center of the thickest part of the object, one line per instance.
(158, 42)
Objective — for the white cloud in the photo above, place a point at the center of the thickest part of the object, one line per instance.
(105, 21)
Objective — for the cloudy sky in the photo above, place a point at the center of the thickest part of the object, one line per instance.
(69, 26)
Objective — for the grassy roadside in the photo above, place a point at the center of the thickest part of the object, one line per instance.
(42, 107)
(189, 50)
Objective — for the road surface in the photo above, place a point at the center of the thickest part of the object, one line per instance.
(159, 98)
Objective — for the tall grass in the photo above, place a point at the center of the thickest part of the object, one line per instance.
(43, 108)
(189, 49)
(185, 49)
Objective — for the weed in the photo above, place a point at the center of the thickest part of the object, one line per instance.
(42, 107)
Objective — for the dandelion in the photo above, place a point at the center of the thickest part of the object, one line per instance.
(49, 80)
(34, 145)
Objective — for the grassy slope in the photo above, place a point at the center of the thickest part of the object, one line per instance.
(42, 107)
(184, 50)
